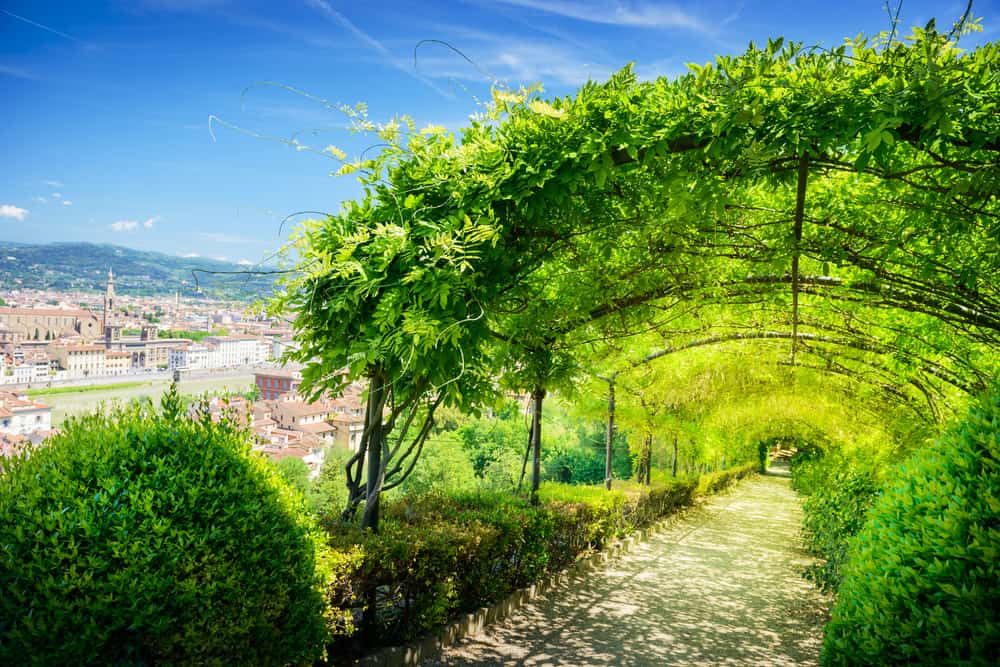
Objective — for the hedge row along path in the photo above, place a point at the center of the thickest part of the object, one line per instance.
(722, 586)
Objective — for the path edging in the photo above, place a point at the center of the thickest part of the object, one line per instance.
(474, 623)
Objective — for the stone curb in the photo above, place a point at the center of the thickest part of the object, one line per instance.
(474, 623)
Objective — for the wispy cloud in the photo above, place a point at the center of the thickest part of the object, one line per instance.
(375, 45)
(149, 222)
(245, 262)
(42, 26)
(56, 195)
(54, 184)
(668, 67)
(16, 72)
(11, 211)
(40, 200)
(513, 60)
(190, 255)
(216, 237)
(193, 6)
(124, 226)
(630, 14)
(67, 202)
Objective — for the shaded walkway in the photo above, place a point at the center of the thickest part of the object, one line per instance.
(719, 587)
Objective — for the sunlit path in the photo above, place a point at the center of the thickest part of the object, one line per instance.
(720, 587)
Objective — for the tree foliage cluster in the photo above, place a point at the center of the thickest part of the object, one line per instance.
(832, 210)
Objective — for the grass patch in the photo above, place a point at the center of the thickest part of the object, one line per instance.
(34, 393)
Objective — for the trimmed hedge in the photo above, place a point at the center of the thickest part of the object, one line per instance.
(922, 583)
(442, 554)
(139, 539)
(839, 494)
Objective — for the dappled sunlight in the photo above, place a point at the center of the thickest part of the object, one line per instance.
(721, 587)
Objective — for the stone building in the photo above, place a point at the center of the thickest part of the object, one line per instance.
(48, 323)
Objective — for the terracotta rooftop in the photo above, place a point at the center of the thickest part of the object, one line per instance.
(45, 311)
(318, 427)
(301, 409)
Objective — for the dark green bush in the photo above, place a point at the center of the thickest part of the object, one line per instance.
(809, 469)
(763, 455)
(133, 538)
(832, 515)
(585, 462)
(922, 583)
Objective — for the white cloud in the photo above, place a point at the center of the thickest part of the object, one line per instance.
(124, 226)
(631, 14)
(40, 200)
(54, 184)
(149, 222)
(221, 258)
(245, 262)
(56, 195)
(9, 211)
(190, 255)
(67, 202)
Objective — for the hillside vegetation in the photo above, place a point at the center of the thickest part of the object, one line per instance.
(84, 267)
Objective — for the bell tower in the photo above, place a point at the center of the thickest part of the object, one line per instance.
(109, 303)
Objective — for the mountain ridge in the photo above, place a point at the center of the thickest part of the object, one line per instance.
(82, 266)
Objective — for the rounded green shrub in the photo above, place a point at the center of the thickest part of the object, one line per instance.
(922, 581)
(135, 538)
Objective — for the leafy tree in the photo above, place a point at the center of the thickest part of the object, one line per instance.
(171, 403)
(295, 472)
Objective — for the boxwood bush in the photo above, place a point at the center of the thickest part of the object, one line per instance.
(922, 583)
(832, 515)
(137, 538)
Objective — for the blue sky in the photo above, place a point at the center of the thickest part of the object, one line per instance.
(104, 121)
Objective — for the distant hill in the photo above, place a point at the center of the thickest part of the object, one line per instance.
(84, 267)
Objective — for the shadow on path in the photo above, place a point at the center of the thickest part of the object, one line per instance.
(720, 587)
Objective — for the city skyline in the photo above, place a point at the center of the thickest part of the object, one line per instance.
(107, 125)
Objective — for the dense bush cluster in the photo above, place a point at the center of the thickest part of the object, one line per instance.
(133, 538)
(839, 493)
(922, 582)
(444, 553)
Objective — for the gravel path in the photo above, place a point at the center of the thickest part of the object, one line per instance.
(721, 586)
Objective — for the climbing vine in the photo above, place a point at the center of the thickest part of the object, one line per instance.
(838, 202)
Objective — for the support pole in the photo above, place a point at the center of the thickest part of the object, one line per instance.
(538, 395)
(800, 205)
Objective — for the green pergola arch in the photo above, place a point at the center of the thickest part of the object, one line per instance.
(851, 190)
